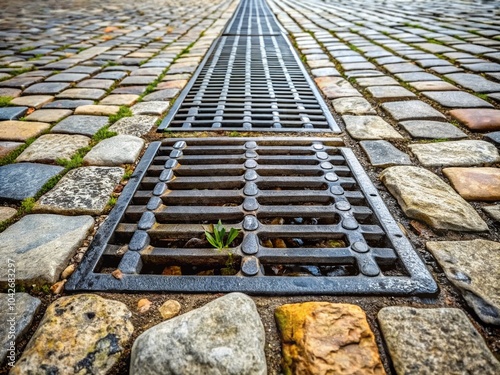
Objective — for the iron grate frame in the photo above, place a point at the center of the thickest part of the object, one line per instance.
(326, 172)
(251, 79)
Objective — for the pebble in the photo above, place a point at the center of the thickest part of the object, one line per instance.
(170, 309)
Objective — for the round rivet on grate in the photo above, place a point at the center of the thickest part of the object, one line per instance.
(250, 266)
(277, 125)
(251, 154)
(166, 175)
(175, 154)
(337, 190)
(147, 221)
(160, 188)
(154, 203)
(250, 223)
(251, 164)
(251, 175)
(343, 206)
(180, 145)
(250, 244)
(326, 165)
(318, 146)
(250, 145)
(251, 189)
(250, 204)
(171, 164)
(331, 176)
(350, 223)
(322, 155)
(139, 240)
(368, 267)
(360, 247)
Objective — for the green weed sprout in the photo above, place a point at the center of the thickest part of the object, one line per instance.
(219, 239)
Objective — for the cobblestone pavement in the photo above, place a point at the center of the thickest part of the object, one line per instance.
(415, 86)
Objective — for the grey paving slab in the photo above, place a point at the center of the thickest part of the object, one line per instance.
(67, 104)
(150, 108)
(435, 341)
(50, 88)
(7, 147)
(390, 93)
(457, 99)
(92, 94)
(84, 190)
(49, 115)
(433, 86)
(123, 99)
(103, 84)
(35, 101)
(12, 113)
(493, 137)
(474, 82)
(353, 106)
(369, 127)
(432, 129)
(434, 48)
(50, 147)
(411, 110)
(81, 124)
(136, 125)
(161, 95)
(111, 75)
(473, 48)
(418, 76)
(384, 154)
(24, 180)
(41, 257)
(377, 81)
(118, 150)
(21, 82)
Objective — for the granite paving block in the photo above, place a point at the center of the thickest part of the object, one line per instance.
(67, 77)
(41, 257)
(137, 125)
(478, 184)
(46, 88)
(418, 76)
(34, 101)
(103, 84)
(118, 150)
(369, 127)
(129, 90)
(150, 108)
(81, 124)
(323, 72)
(7, 147)
(434, 48)
(433, 86)
(7, 91)
(21, 130)
(456, 153)
(402, 68)
(24, 180)
(411, 110)
(473, 267)
(161, 95)
(137, 80)
(50, 147)
(83, 69)
(123, 99)
(353, 106)
(97, 110)
(84, 190)
(390, 93)
(12, 113)
(49, 115)
(478, 119)
(178, 84)
(376, 81)
(335, 87)
(434, 341)
(147, 72)
(110, 75)
(424, 196)
(457, 99)
(19, 308)
(483, 67)
(67, 104)
(92, 94)
(493, 137)
(432, 129)
(474, 82)
(384, 154)
(20, 82)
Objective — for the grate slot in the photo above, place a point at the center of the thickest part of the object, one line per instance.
(299, 233)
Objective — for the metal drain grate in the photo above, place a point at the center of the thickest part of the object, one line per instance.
(311, 223)
(251, 79)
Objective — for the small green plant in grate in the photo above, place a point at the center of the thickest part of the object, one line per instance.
(218, 239)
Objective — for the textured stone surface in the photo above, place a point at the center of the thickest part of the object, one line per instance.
(80, 124)
(24, 180)
(120, 99)
(433, 86)
(424, 196)
(50, 147)
(434, 341)
(21, 130)
(226, 336)
(7, 213)
(353, 106)
(69, 104)
(12, 113)
(41, 256)
(327, 338)
(384, 154)
(336, 87)
(369, 127)
(7, 147)
(20, 308)
(83, 190)
(473, 267)
(150, 108)
(135, 125)
(493, 212)
(35, 101)
(493, 137)
(432, 129)
(478, 119)
(411, 110)
(97, 110)
(49, 115)
(92, 94)
(81, 334)
(121, 149)
(386, 93)
(474, 82)
(481, 184)
(456, 153)
(456, 99)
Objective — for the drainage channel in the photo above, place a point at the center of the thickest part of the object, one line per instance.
(310, 222)
(251, 79)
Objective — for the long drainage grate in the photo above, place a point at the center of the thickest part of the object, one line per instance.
(251, 79)
(310, 221)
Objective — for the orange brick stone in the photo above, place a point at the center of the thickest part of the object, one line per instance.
(479, 119)
(477, 184)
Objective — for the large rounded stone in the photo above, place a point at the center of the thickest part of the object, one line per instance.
(226, 336)
(81, 334)
(327, 338)
(424, 196)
